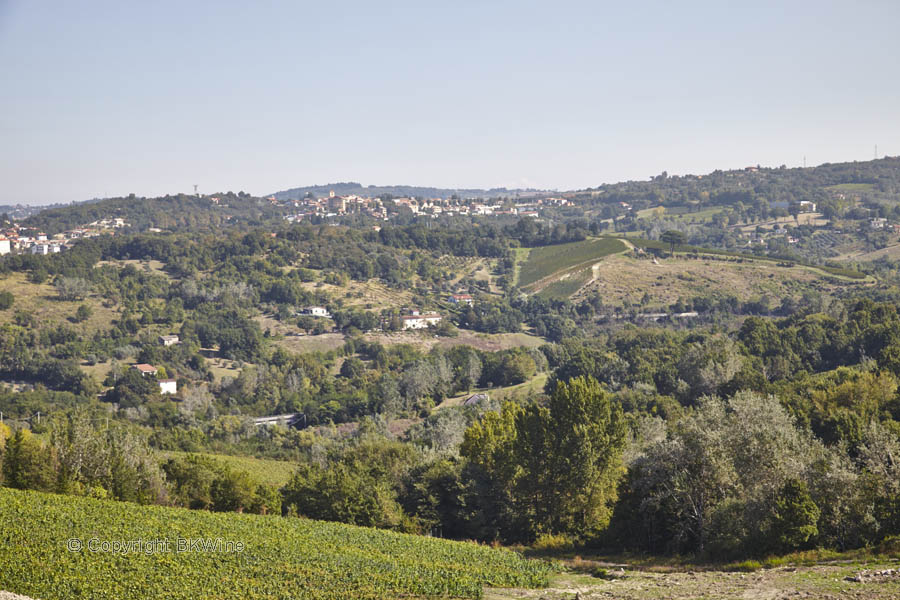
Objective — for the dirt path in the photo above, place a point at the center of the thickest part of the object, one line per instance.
(11, 596)
(825, 582)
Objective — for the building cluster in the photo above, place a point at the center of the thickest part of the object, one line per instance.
(334, 205)
(19, 239)
(27, 239)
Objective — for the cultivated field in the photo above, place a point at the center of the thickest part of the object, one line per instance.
(547, 261)
(279, 557)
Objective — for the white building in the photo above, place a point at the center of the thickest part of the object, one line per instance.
(168, 340)
(4, 246)
(316, 311)
(44, 249)
(168, 386)
(420, 321)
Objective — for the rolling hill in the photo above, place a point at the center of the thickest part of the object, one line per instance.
(358, 189)
(606, 267)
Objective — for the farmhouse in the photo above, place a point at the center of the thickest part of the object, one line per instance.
(145, 369)
(418, 321)
(168, 340)
(461, 299)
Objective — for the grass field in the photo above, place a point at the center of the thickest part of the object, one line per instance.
(490, 342)
(223, 367)
(41, 300)
(851, 188)
(548, 260)
(680, 213)
(836, 271)
(623, 279)
(262, 470)
(370, 294)
(279, 558)
(522, 391)
(154, 266)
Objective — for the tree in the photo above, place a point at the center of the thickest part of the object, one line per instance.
(27, 464)
(561, 462)
(6, 300)
(72, 288)
(232, 491)
(353, 368)
(673, 238)
(83, 313)
(708, 365)
(796, 516)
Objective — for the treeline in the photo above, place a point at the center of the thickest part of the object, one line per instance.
(173, 213)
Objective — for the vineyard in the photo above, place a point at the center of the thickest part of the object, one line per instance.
(280, 558)
(547, 260)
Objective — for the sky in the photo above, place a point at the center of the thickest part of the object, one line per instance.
(102, 99)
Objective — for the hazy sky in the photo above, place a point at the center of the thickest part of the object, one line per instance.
(107, 98)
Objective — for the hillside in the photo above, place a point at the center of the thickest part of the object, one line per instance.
(174, 212)
(280, 558)
(605, 266)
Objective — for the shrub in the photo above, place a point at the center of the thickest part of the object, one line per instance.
(6, 300)
(552, 542)
(747, 566)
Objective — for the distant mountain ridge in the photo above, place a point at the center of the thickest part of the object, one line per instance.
(348, 188)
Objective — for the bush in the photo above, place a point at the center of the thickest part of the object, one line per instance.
(552, 542)
(747, 566)
(6, 300)
(83, 313)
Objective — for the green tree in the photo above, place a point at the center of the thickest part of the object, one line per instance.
(562, 461)
(796, 516)
(6, 300)
(673, 238)
(27, 464)
(83, 313)
(570, 452)
(72, 288)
